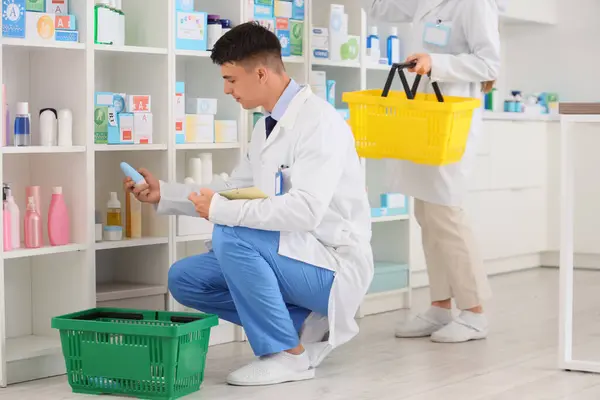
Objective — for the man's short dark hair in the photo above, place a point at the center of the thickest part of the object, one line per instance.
(247, 44)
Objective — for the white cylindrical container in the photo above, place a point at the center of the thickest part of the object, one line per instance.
(207, 168)
(196, 169)
(65, 128)
(48, 127)
(113, 233)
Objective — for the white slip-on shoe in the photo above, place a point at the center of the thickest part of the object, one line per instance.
(424, 324)
(273, 369)
(466, 327)
(317, 352)
(315, 327)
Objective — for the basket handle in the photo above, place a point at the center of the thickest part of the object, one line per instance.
(410, 92)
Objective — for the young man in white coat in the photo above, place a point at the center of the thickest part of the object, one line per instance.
(457, 43)
(293, 268)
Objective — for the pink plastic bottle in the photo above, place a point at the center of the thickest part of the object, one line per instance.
(33, 221)
(34, 191)
(58, 219)
(6, 229)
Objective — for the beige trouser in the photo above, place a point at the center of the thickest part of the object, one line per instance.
(454, 265)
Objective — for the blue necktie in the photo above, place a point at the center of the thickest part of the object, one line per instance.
(270, 123)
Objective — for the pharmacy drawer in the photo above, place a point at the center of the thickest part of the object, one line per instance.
(508, 223)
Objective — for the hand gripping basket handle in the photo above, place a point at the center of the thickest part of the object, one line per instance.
(410, 92)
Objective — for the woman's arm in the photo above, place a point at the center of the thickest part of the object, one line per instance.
(479, 22)
(397, 11)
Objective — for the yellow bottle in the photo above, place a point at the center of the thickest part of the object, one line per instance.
(113, 211)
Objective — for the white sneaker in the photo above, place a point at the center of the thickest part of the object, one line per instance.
(468, 326)
(273, 369)
(314, 337)
(425, 324)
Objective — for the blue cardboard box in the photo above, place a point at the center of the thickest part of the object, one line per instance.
(66, 36)
(184, 5)
(191, 30)
(298, 10)
(282, 30)
(13, 18)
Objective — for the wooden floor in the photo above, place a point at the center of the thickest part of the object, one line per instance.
(517, 362)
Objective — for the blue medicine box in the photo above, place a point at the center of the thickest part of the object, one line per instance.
(191, 30)
(13, 18)
(66, 36)
(184, 5)
(396, 201)
(264, 11)
(298, 10)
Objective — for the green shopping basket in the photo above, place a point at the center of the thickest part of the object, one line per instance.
(144, 354)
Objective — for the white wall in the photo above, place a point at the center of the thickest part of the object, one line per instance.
(559, 58)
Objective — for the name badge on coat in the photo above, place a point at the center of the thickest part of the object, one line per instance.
(437, 34)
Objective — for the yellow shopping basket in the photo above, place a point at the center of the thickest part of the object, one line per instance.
(422, 128)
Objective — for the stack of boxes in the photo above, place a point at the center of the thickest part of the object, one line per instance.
(334, 42)
(285, 18)
(39, 21)
(122, 119)
(195, 120)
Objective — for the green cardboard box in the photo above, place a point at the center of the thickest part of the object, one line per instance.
(35, 5)
(296, 37)
(101, 125)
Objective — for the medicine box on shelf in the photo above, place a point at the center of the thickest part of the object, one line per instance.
(13, 19)
(191, 30)
(283, 34)
(297, 37)
(57, 6)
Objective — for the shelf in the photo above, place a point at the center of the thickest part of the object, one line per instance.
(207, 146)
(27, 347)
(582, 118)
(340, 64)
(121, 244)
(131, 49)
(193, 53)
(43, 251)
(508, 116)
(390, 218)
(294, 60)
(130, 147)
(49, 45)
(43, 150)
(193, 238)
(379, 67)
(125, 290)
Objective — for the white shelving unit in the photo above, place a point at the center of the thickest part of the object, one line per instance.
(38, 284)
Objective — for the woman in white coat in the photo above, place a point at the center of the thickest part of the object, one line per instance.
(456, 43)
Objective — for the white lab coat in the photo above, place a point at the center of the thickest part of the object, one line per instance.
(472, 56)
(324, 213)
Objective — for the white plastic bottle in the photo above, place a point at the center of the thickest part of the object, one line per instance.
(373, 45)
(65, 128)
(207, 168)
(15, 221)
(393, 47)
(48, 127)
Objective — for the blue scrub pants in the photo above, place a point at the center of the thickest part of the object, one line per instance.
(244, 281)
